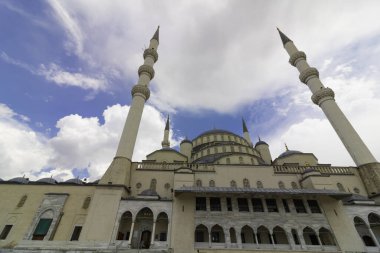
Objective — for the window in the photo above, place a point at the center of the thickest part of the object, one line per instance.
(272, 205)
(246, 183)
(86, 203)
(281, 185)
(240, 149)
(163, 237)
(259, 184)
(200, 204)
(340, 187)
(224, 149)
(257, 205)
(212, 183)
(229, 204)
(153, 184)
(215, 204)
(42, 229)
(243, 205)
(233, 183)
(295, 237)
(286, 206)
(5, 232)
(294, 185)
(228, 160)
(76, 233)
(198, 183)
(22, 201)
(232, 149)
(199, 237)
(300, 207)
(241, 161)
(314, 207)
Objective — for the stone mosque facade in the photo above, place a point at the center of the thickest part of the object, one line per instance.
(219, 193)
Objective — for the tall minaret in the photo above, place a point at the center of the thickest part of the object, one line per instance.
(324, 98)
(117, 173)
(166, 143)
(246, 133)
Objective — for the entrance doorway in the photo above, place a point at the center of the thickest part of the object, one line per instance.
(145, 239)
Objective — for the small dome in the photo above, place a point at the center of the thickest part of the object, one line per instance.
(186, 141)
(74, 181)
(47, 180)
(289, 152)
(261, 143)
(20, 180)
(148, 192)
(308, 170)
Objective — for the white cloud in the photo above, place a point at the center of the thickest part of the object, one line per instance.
(81, 143)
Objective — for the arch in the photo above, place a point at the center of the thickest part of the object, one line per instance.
(326, 237)
(198, 183)
(201, 233)
(279, 235)
(294, 185)
(125, 226)
(281, 185)
(43, 226)
(259, 184)
(246, 183)
(295, 236)
(217, 234)
(363, 230)
(263, 235)
(144, 228)
(340, 187)
(162, 223)
(247, 235)
(212, 183)
(310, 236)
(153, 184)
(233, 235)
(233, 183)
(374, 224)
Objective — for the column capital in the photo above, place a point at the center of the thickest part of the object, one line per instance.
(140, 90)
(307, 74)
(146, 69)
(322, 95)
(296, 57)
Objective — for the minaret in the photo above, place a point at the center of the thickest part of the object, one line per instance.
(166, 143)
(246, 133)
(117, 171)
(324, 98)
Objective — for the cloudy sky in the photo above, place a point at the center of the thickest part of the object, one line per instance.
(67, 67)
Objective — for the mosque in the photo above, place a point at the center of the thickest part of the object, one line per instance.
(219, 193)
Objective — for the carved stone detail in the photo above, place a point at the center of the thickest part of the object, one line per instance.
(297, 56)
(322, 93)
(152, 53)
(146, 69)
(307, 74)
(370, 174)
(141, 90)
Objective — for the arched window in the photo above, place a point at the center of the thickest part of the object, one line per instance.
(374, 223)
(201, 233)
(233, 235)
(310, 236)
(259, 184)
(162, 227)
(233, 183)
(247, 235)
(246, 183)
(153, 184)
(228, 161)
(198, 183)
(281, 185)
(340, 187)
(279, 236)
(22, 201)
(43, 225)
(326, 237)
(263, 235)
(124, 231)
(212, 183)
(217, 234)
(295, 236)
(294, 185)
(241, 161)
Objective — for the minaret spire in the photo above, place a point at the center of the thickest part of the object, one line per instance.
(322, 96)
(246, 133)
(284, 38)
(156, 35)
(165, 142)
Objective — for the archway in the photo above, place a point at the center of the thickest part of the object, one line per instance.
(162, 227)
(363, 231)
(263, 235)
(124, 231)
(310, 236)
(217, 234)
(143, 226)
(374, 224)
(233, 235)
(201, 233)
(43, 225)
(279, 236)
(247, 235)
(326, 237)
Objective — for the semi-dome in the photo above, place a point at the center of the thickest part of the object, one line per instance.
(20, 180)
(74, 181)
(260, 142)
(47, 180)
(289, 152)
(186, 141)
(148, 192)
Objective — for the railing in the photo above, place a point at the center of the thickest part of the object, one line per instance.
(175, 166)
(294, 169)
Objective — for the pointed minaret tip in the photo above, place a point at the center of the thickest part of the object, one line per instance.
(286, 147)
(284, 38)
(156, 35)
(167, 124)
(245, 129)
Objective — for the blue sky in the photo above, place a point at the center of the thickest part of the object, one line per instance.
(67, 67)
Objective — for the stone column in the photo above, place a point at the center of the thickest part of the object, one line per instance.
(209, 239)
(273, 243)
(131, 233)
(373, 236)
(238, 238)
(289, 235)
(302, 240)
(257, 241)
(153, 233)
(264, 205)
(319, 240)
